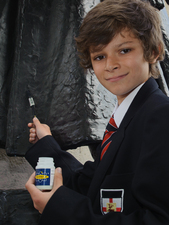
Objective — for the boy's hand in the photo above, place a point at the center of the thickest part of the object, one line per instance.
(37, 130)
(40, 198)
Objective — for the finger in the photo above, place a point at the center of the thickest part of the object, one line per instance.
(30, 124)
(33, 140)
(35, 193)
(32, 135)
(32, 130)
(31, 180)
(58, 179)
(30, 186)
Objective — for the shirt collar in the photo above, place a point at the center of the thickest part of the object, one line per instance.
(120, 111)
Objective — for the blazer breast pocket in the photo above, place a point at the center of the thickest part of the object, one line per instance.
(111, 200)
(116, 194)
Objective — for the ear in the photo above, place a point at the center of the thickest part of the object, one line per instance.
(154, 60)
(155, 57)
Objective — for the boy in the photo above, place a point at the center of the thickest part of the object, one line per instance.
(128, 183)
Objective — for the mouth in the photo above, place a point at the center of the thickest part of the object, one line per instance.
(116, 78)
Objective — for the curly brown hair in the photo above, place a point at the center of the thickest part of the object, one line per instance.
(110, 17)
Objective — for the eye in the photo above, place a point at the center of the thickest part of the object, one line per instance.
(125, 51)
(99, 57)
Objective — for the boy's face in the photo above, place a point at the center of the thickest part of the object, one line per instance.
(120, 66)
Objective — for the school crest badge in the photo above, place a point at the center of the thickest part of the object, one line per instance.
(111, 200)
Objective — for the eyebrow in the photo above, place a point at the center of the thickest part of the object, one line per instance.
(127, 42)
(95, 50)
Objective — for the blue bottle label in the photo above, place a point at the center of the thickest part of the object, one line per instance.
(42, 177)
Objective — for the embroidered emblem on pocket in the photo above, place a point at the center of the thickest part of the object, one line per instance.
(111, 200)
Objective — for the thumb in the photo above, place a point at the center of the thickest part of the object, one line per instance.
(41, 129)
(36, 121)
(58, 179)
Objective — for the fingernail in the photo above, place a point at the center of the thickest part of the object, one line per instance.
(59, 170)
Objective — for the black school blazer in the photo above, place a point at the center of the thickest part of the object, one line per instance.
(130, 186)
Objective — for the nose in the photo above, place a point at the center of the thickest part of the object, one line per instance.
(111, 64)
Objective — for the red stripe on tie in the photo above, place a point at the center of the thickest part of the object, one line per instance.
(107, 136)
(112, 122)
(110, 129)
(104, 150)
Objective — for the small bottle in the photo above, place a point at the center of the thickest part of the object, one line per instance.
(45, 170)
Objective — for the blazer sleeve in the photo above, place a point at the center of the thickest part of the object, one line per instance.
(74, 173)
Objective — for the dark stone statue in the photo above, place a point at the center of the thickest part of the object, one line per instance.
(38, 54)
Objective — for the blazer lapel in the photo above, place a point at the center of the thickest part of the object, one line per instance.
(149, 87)
(105, 163)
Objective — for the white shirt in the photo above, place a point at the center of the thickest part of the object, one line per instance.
(120, 111)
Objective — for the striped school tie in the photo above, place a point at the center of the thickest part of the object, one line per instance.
(110, 130)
